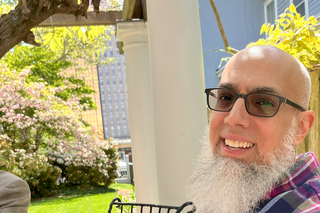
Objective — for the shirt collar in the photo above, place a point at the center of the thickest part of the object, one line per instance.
(305, 168)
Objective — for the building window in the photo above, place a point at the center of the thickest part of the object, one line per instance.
(301, 6)
(270, 11)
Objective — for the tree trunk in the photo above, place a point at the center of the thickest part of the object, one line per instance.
(16, 25)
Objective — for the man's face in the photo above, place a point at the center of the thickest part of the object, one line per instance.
(261, 136)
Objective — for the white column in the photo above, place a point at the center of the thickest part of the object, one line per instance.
(134, 34)
(177, 77)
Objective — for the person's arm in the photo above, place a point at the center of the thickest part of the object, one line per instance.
(14, 194)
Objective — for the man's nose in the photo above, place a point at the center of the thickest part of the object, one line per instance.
(238, 115)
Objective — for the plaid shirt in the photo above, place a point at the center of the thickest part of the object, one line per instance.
(298, 193)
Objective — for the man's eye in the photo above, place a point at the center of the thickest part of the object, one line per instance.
(226, 97)
(265, 103)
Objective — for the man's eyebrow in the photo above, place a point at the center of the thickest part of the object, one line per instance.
(227, 86)
(264, 90)
(254, 90)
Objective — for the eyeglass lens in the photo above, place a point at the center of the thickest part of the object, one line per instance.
(264, 105)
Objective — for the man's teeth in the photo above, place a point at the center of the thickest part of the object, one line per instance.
(238, 144)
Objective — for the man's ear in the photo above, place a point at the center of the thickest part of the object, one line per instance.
(305, 121)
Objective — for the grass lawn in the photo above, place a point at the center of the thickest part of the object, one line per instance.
(76, 201)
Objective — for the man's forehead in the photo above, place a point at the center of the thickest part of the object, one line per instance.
(255, 76)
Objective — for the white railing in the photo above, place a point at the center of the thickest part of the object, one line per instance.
(124, 171)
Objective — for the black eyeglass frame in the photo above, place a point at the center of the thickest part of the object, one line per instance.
(281, 100)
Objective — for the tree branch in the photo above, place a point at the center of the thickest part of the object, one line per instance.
(16, 25)
(223, 34)
(25, 10)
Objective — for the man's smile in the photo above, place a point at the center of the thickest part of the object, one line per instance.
(237, 145)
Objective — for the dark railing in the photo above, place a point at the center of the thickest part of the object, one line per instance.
(157, 208)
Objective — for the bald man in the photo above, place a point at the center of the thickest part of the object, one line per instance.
(14, 194)
(260, 114)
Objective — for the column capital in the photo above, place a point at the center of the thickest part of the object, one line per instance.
(133, 33)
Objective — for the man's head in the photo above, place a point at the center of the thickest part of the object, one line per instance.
(262, 69)
(249, 154)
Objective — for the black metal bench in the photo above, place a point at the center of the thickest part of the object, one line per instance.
(149, 207)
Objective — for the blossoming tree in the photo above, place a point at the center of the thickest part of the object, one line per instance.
(43, 139)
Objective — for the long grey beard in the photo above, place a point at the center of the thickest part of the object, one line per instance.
(226, 185)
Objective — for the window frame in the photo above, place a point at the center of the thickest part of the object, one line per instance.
(266, 4)
(306, 7)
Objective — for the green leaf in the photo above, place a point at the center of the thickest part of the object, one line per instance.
(53, 45)
(281, 46)
(47, 38)
(59, 42)
(263, 28)
(282, 24)
(226, 59)
(283, 15)
(271, 29)
(261, 42)
(292, 9)
(4, 9)
(311, 32)
(70, 33)
(312, 20)
(80, 34)
(290, 16)
(281, 20)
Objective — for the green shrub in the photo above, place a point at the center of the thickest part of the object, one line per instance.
(88, 177)
(30, 166)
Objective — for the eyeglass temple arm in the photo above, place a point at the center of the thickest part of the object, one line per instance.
(212, 94)
(294, 105)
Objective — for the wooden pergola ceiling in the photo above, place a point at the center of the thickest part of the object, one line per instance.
(132, 9)
(67, 20)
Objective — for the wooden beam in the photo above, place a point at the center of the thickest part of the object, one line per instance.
(144, 9)
(137, 11)
(66, 20)
(128, 8)
(134, 9)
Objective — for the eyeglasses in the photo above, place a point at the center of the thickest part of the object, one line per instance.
(257, 104)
